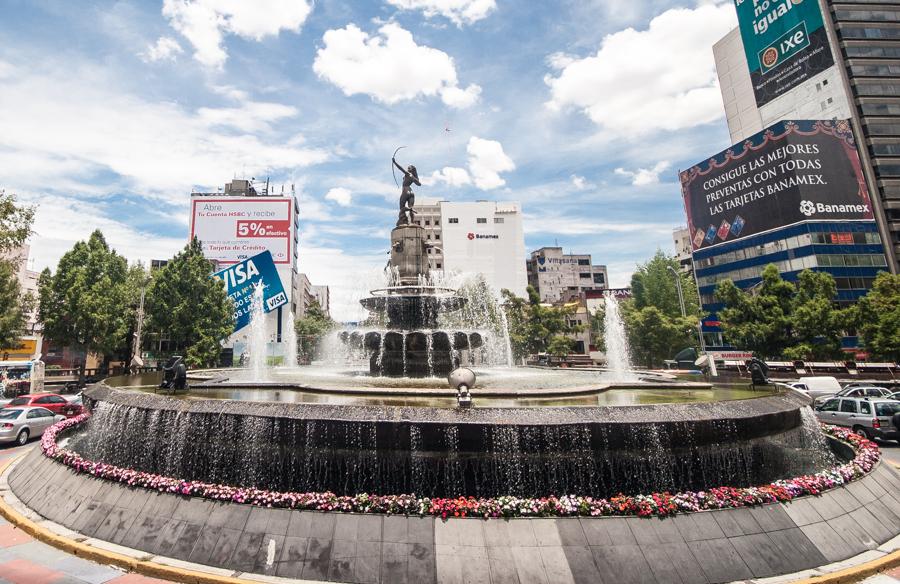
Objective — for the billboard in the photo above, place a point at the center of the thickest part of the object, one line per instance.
(233, 229)
(241, 280)
(790, 172)
(785, 42)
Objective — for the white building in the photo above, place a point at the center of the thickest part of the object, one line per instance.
(244, 220)
(683, 248)
(820, 97)
(323, 297)
(485, 237)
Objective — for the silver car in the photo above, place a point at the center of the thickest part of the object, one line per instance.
(19, 424)
(871, 417)
(871, 391)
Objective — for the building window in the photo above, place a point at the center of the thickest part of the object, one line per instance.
(583, 262)
(438, 265)
(453, 220)
(599, 279)
(584, 275)
(437, 236)
(428, 222)
(481, 220)
(498, 219)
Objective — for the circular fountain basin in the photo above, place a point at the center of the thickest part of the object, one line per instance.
(346, 447)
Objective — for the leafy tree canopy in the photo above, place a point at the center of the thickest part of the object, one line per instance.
(190, 306)
(85, 302)
(533, 326)
(877, 317)
(15, 227)
(311, 328)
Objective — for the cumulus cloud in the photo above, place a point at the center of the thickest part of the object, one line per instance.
(164, 49)
(204, 23)
(644, 176)
(580, 183)
(71, 125)
(486, 161)
(642, 81)
(450, 175)
(389, 67)
(459, 12)
(340, 195)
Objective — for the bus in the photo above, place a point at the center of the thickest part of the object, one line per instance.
(21, 377)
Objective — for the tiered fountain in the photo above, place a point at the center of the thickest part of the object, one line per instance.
(412, 345)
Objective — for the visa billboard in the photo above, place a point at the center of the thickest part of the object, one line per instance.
(242, 278)
(785, 42)
(790, 172)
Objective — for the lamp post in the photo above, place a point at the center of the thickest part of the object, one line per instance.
(712, 362)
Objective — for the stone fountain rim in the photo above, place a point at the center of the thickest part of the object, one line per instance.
(753, 408)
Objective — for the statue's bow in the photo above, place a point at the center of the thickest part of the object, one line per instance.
(393, 157)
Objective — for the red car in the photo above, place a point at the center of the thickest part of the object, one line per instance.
(53, 402)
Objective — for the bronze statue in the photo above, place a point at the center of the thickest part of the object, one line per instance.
(407, 196)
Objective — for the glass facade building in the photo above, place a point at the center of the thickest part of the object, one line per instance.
(866, 37)
(851, 251)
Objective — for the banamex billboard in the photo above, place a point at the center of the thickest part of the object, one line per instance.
(233, 229)
(790, 172)
(785, 42)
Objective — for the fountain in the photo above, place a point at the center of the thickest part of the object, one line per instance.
(380, 419)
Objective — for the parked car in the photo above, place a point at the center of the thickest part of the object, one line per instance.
(895, 395)
(52, 401)
(19, 424)
(816, 387)
(870, 417)
(857, 391)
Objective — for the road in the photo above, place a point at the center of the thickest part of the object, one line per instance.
(890, 451)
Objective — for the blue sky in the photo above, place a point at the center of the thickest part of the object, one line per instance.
(112, 112)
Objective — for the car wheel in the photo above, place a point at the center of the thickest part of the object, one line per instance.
(22, 438)
(864, 432)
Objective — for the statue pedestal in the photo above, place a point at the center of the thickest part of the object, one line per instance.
(409, 254)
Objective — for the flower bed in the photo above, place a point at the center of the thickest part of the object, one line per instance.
(656, 504)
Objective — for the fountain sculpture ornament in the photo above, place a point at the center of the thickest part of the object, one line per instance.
(412, 344)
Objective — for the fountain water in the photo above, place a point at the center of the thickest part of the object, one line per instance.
(258, 341)
(290, 341)
(618, 355)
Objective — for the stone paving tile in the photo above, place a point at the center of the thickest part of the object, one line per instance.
(698, 526)
(801, 512)
(268, 557)
(795, 543)
(680, 557)
(827, 507)
(245, 552)
(823, 536)
(27, 572)
(854, 536)
(772, 517)
(607, 531)
(86, 571)
(570, 532)
(503, 569)
(529, 567)
(719, 560)
(290, 565)
(11, 535)
(875, 527)
(626, 562)
(556, 566)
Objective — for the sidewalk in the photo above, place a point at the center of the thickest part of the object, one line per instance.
(889, 577)
(23, 560)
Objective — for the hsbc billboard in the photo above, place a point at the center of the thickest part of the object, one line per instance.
(790, 172)
(232, 229)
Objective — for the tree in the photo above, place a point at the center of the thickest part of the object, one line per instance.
(652, 334)
(817, 325)
(653, 321)
(85, 303)
(15, 227)
(776, 318)
(534, 326)
(187, 303)
(311, 328)
(877, 317)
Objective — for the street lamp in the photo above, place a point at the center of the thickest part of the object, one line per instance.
(680, 292)
(712, 364)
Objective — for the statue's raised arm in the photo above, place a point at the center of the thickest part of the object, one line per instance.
(407, 196)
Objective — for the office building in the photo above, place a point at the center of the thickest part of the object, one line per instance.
(858, 79)
(558, 276)
(682, 239)
(323, 297)
(483, 237)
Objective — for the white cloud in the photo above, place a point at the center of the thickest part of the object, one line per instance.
(389, 67)
(451, 175)
(457, 11)
(486, 161)
(249, 117)
(644, 176)
(66, 125)
(349, 277)
(643, 81)
(560, 60)
(580, 183)
(205, 22)
(61, 221)
(340, 195)
(165, 49)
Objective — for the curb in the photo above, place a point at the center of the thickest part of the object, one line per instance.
(856, 573)
(101, 556)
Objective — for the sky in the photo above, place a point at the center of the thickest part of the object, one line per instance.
(111, 113)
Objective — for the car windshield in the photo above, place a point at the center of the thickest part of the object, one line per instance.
(887, 409)
(9, 414)
(20, 401)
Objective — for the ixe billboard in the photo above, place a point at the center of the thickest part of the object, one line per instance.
(233, 229)
(241, 280)
(785, 42)
(790, 172)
